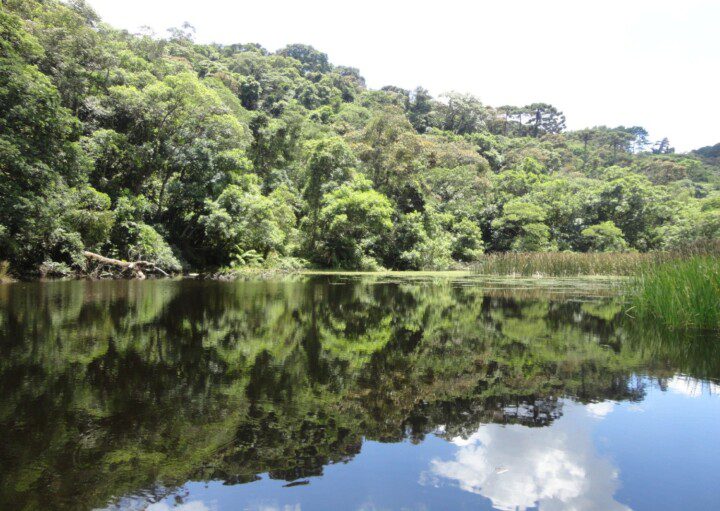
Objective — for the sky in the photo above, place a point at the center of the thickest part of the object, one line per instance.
(633, 62)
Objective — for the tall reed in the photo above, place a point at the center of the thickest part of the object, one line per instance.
(573, 264)
(562, 264)
(683, 293)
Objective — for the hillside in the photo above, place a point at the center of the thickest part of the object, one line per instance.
(202, 156)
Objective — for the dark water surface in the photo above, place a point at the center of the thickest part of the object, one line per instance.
(350, 393)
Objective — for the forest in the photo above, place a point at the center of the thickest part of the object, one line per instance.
(198, 157)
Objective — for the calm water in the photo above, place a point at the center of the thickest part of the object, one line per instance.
(349, 393)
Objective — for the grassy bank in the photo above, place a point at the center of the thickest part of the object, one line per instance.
(683, 293)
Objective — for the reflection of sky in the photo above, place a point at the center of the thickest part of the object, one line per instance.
(691, 387)
(189, 506)
(517, 467)
(599, 456)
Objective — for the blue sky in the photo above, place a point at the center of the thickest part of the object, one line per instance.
(633, 62)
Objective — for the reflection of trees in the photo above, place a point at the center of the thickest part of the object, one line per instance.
(109, 387)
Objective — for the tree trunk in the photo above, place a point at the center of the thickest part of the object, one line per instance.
(134, 268)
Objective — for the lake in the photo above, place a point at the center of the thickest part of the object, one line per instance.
(351, 392)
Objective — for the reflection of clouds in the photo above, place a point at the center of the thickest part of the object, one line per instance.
(600, 410)
(691, 387)
(517, 467)
(140, 503)
(269, 507)
(195, 505)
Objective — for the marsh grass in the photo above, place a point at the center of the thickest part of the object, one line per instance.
(574, 264)
(682, 293)
(563, 264)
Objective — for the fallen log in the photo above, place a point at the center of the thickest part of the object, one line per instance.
(136, 268)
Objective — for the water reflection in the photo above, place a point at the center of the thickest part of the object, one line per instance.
(521, 468)
(118, 393)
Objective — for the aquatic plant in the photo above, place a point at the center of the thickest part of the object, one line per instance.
(562, 264)
(679, 293)
(570, 264)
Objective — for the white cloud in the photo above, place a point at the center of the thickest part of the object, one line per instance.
(517, 467)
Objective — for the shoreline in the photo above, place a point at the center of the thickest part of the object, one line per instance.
(265, 274)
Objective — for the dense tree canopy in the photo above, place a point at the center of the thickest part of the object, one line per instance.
(205, 155)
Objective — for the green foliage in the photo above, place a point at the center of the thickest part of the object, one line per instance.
(146, 244)
(430, 253)
(96, 122)
(697, 223)
(90, 216)
(468, 243)
(605, 237)
(352, 221)
(522, 225)
(242, 220)
(311, 59)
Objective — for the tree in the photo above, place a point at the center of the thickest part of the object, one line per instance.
(75, 55)
(467, 243)
(640, 142)
(521, 227)
(90, 216)
(636, 207)
(133, 239)
(605, 237)
(459, 190)
(353, 220)
(545, 118)
(231, 154)
(420, 105)
(311, 60)
(39, 155)
(180, 131)
(663, 147)
(663, 170)
(697, 223)
(242, 220)
(276, 143)
(462, 114)
(330, 163)
(392, 155)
